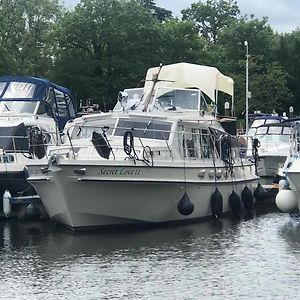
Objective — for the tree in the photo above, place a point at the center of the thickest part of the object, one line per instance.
(40, 17)
(11, 31)
(160, 13)
(211, 17)
(25, 35)
(113, 43)
(268, 86)
(288, 54)
(182, 43)
(264, 71)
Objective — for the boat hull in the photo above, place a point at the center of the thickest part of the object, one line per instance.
(123, 195)
(268, 166)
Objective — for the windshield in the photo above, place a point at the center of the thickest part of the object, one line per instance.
(20, 107)
(251, 132)
(260, 122)
(273, 134)
(273, 138)
(132, 99)
(170, 99)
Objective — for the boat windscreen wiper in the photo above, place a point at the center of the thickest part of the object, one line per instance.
(6, 107)
(147, 127)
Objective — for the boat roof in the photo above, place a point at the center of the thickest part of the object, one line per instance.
(34, 91)
(186, 75)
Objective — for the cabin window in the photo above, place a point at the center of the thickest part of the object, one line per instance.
(275, 130)
(192, 144)
(199, 143)
(19, 90)
(206, 144)
(148, 129)
(272, 121)
(70, 106)
(80, 131)
(2, 86)
(44, 109)
(50, 100)
(14, 138)
(189, 144)
(177, 99)
(261, 130)
(20, 107)
(61, 103)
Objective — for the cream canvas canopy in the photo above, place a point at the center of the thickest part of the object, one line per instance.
(186, 75)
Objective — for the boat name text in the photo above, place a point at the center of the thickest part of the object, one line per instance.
(120, 172)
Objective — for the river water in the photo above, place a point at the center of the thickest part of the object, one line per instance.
(247, 259)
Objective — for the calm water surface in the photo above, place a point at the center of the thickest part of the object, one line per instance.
(253, 259)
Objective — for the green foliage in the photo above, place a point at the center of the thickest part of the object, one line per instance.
(212, 17)
(25, 33)
(116, 43)
(182, 43)
(103, 46)
(160, 13)
(288, 55)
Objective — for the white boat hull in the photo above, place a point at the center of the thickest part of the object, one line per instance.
(118, 195)
(293, 177)
(268, 165)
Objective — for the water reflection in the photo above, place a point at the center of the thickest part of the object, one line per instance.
(290, 232)
(234, 259)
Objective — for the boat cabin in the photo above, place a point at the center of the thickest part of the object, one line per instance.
(36, 97)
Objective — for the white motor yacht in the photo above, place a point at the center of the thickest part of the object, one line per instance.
(160, 156)
(269, 146)
(32, 112)
(288, 197)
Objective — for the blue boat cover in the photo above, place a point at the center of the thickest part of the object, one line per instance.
(34, 91)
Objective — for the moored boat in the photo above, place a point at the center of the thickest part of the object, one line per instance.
(32, 113)
(159, 156)
(270, 142)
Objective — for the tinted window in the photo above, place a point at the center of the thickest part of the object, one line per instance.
(275, 130)
(2, 86)
(85, 131)
(286, 130)
(178, 99)
(261, 130)
(149, 129)
(70, 106)
(61, 103)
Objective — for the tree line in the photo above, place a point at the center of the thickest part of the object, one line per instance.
(103, 46)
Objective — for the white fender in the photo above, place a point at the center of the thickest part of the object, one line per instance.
(286, 200)
(6, 203)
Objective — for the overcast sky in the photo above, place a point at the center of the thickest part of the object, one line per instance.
(283, 14)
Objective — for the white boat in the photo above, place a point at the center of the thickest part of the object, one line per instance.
(159, 157)
(288, 197)
(269, 146)
(32, 112)
(260, 119)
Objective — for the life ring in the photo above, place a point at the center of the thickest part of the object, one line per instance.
(128, 147)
